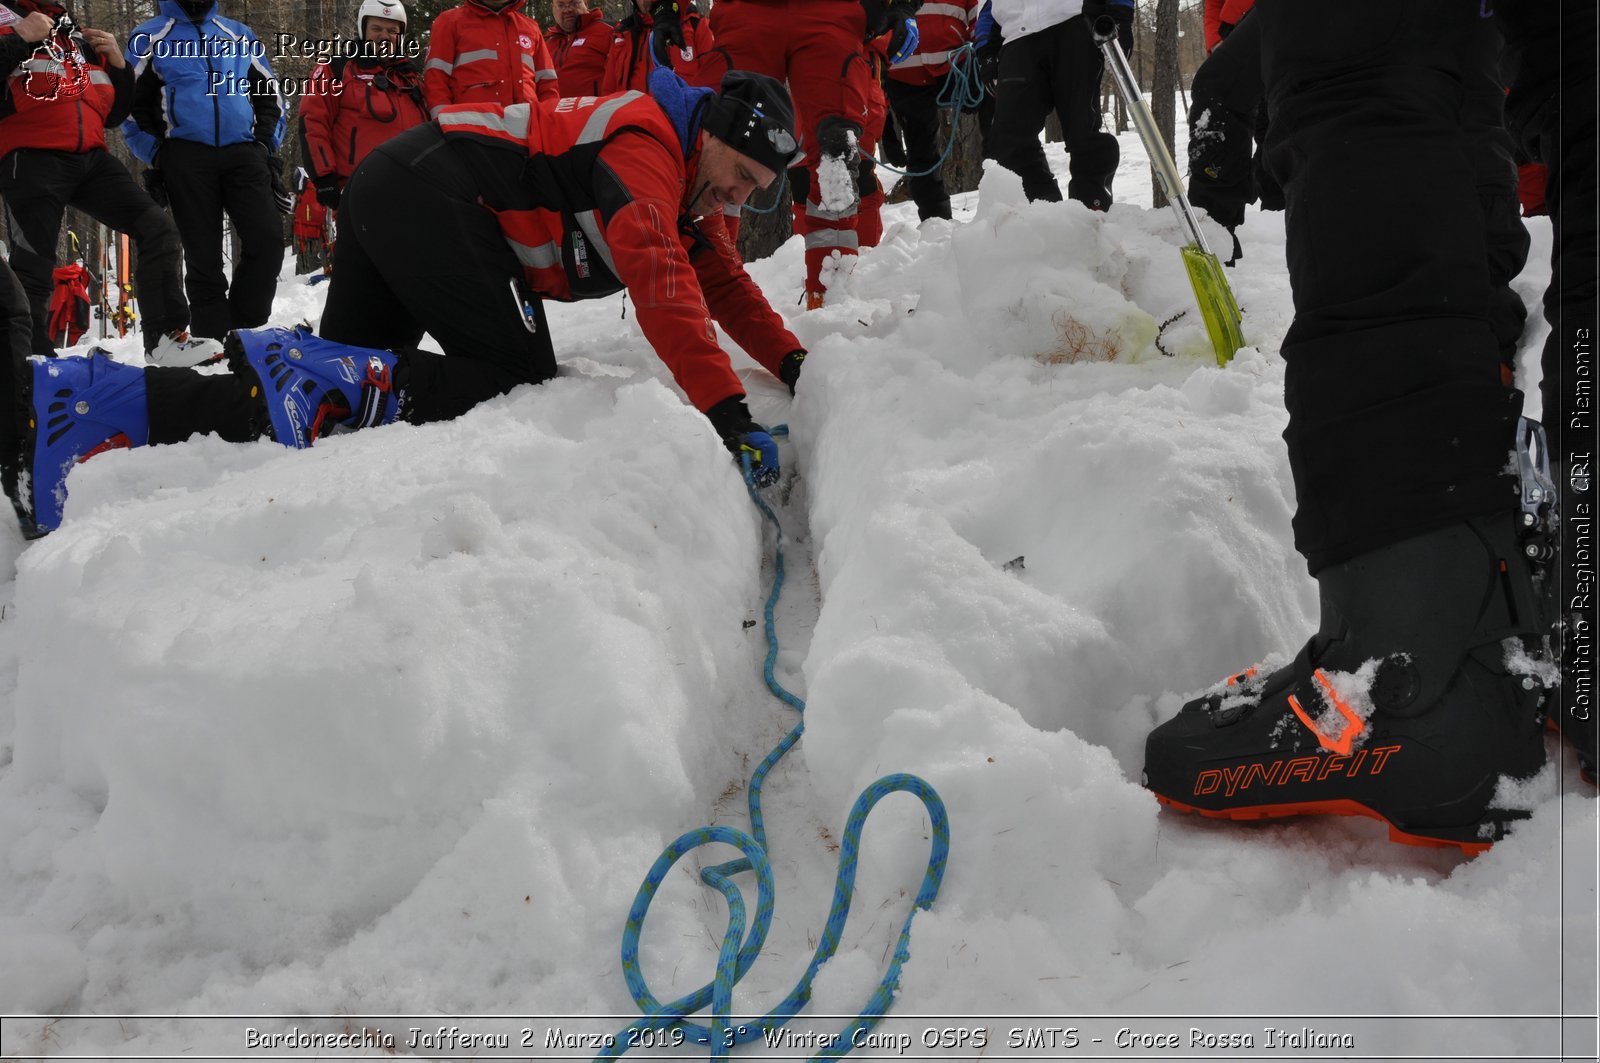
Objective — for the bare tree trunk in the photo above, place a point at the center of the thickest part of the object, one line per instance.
(762, 234)
(1165, 82)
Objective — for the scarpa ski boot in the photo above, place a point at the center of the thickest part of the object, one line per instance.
(80, 407)
(1423, 687)
(312, 385)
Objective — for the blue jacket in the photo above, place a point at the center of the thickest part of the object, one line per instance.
(205, 80)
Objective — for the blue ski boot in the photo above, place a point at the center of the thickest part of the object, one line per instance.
(81, 406)
(312, 385)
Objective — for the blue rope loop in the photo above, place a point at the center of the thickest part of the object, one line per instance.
(743, 938)
(962, 91)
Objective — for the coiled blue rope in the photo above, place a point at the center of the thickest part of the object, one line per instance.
(734, 958)
(962, 91)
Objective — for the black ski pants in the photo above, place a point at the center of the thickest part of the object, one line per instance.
(203, 184)
(38, 185)
(918, 116)
(1400, 421)
(445, 270)
(1058, 69)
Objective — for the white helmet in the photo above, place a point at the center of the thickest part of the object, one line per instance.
(391, 9)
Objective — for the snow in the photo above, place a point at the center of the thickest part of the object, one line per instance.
(395, 726)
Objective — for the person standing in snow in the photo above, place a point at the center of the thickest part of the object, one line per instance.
(1044, 58)
(64, 87)
(579, 41)
(818, 46)
(913, 90)
(208, 117)
(1427, 680)
(487, 51)
(350, 106)
(582, 200)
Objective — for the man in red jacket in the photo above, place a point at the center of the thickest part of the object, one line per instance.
(63, 87)
(579, 41)
(504, 206)
(350, 106)
(486, 51)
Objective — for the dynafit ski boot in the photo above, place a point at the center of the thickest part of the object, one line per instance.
(1423, 688)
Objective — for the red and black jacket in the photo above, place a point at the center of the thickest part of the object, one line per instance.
(59, 95)
(350, 106)
(580, 56)
(591, 196)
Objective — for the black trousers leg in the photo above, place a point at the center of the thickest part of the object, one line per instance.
(110, 195)
(1026, 94)
(389, 285)
(194, 185)
(1399, 422)
(36, 186)
(1226, 96)
(1092, 152)
(251, 207)
(1494, 173)
(916, 112)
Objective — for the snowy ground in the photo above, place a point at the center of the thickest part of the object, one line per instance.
(395, 727)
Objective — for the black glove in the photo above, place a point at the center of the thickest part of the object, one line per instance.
(155, 183)
(328, 193)
(789, 368)
(989, 63)
(744, 438)
(1223, 29)
(667, 32)
(903, 33)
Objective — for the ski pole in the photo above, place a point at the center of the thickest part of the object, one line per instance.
(1218, 309)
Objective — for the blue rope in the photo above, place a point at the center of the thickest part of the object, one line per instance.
(734, 958)
(962, 91)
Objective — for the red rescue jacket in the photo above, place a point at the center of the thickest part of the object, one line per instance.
(58, 93)
(699, 61)
(580, 56)
(942, 28)
(350, 106)
(592, 199)
(480, 56)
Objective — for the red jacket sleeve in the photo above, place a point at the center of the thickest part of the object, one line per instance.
(319, 107)
(436, 80)
(735, 301)
(651, 262)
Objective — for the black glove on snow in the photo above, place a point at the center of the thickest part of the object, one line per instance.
(789, 368)
(667, 32)
(328, 193)
(745, 438)
(155, 183)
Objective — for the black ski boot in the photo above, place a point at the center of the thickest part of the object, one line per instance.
(1422, 688)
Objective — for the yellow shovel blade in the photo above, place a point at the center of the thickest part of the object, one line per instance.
(1217, 306)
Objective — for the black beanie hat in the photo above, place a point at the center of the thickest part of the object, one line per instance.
(754, 117)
